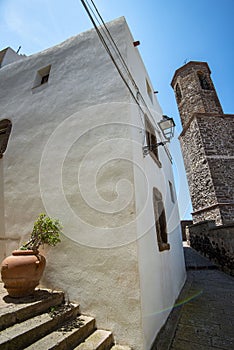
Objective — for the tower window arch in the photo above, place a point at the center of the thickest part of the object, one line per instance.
(178, 93)
(203, 81)
(5, 130)
(160, 220)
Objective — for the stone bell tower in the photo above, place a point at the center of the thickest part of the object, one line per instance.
(207, 143)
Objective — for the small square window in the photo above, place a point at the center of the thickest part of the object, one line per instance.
(42, 76)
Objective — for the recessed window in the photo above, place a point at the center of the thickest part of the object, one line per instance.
(151, 140)
(172, 192)
(5, 130)
(203, 81)
(149, 91)
(44, 79)
(160, 221)
(42, 76)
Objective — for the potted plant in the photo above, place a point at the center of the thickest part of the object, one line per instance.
(21, 272)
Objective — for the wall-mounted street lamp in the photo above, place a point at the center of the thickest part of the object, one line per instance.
(167, 126)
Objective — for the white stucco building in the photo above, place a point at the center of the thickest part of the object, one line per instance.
(75, 151)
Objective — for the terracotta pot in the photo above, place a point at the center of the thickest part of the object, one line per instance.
(21, 272)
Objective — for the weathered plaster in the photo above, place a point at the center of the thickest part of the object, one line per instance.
(76, 151)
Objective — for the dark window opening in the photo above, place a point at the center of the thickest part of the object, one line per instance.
(42, 76)
(160, 221)
(151, 140)
(178, 93)
(203, 81)
(44, 79)
(5, 130)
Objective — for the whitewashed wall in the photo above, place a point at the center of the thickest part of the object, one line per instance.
(162, 274)
(76, 152)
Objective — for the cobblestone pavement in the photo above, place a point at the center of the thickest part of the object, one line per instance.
(203, 316)
(206, 318)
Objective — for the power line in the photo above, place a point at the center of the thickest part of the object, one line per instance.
(107, 49)
(115, 47)
(119, 55)
(117, 52)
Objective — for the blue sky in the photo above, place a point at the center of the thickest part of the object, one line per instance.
(170, 32)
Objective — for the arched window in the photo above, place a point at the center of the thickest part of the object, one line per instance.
(178, 93)
(160, 220)
(5, 130)
(203, 81)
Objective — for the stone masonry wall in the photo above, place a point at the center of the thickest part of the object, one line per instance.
(216, 132)
(207, 143)
(207, 146)
(214, 242)
(194, 99)
(201, 187)
(209, 213)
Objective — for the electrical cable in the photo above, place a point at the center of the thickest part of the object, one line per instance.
(116, 48)
(117, 52)
(107, 49)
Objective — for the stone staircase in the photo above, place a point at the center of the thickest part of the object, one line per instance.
(45, 321)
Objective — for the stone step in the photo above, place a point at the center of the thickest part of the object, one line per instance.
(99, 340)
(21, 309)
(120, 347)
(67, 336)
(23, 334)
(43, 321)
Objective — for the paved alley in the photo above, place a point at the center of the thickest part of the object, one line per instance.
(204, 317)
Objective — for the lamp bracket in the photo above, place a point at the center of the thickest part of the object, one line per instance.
(147, 149)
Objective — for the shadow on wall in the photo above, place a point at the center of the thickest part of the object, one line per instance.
(215, 243)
